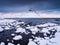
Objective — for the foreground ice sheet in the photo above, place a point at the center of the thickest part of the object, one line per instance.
(42, 34)
(31, 42)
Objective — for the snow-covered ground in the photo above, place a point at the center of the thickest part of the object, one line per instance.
(14, 32)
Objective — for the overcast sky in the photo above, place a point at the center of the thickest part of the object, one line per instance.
(24, 5)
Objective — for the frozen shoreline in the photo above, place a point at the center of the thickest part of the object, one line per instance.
(15, 32)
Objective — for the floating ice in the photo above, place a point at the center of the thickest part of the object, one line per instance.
(20, 30)
(10, 44)
(40, 41)
(31, 42)
(2, 43)
(18, 44)
(33, 29)
(45, 30)
(46, 24)
(12, 34)
(18, 37)
(20, 23)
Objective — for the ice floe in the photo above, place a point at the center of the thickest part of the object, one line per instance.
(2, 43)
(33, 29)
(12, 34)
(18, 37)
(10, 44)
(18, 44)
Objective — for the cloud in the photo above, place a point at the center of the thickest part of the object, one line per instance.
(23, 5)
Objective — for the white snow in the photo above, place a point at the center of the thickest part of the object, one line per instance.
(18, 37)
(37, 41)
(45, 30)
(50, 24)
(43, 42)
(31, 42)
(40, 41)
(41, 25)
(56, 40)
(58, 28)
